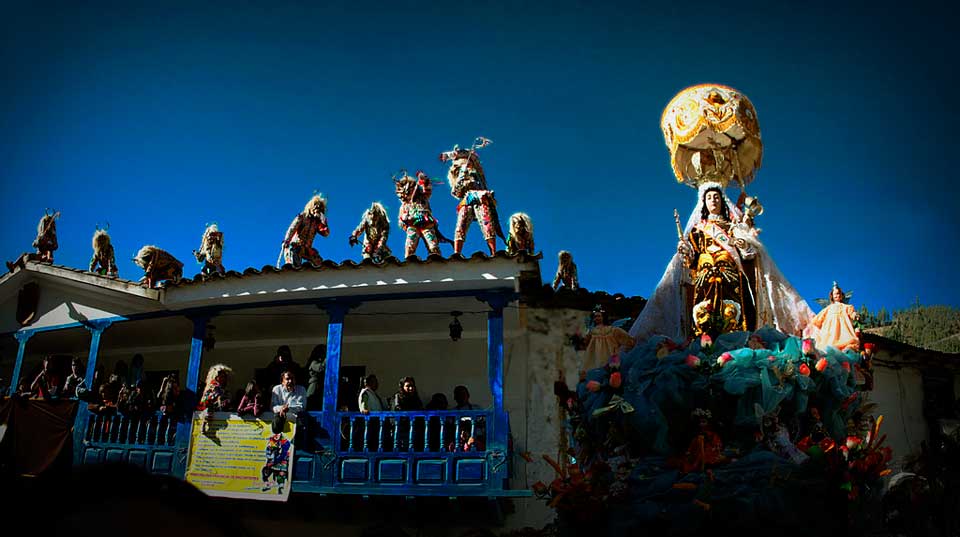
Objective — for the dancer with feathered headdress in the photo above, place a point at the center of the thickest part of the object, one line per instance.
(375, 226)
(211, 251)
(46, 241)
(297, 248)
(416, 218)
(469, 185)
(158, 265)
(521, 234)
(103, 262)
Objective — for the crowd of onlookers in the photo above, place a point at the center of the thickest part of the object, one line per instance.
(281, 387)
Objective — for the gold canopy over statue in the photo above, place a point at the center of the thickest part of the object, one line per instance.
(713, 134)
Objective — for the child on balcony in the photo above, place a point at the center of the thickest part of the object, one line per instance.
(251, 402)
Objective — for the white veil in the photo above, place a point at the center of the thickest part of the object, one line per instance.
(778, 303)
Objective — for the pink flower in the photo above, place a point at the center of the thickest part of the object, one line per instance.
(805, 370)
(724, 358)
(771, 358)
(615, 361)
(821, 365)
(615, 380)
(693, 360)
(808, 348)
(706, 340)
(593, 386)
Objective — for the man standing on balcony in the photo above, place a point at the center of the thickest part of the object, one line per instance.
(462, 396)
(288, 396)
(369, 401)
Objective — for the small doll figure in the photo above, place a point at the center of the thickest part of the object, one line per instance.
(416, 218)
(837, 322)
(865, 367)
(46, 241)
(776, 437)
(706, 447)
(211, 251)
(376, 227)
(277, 466)
(603, 340)
(215, 396)
(816, 433)
(566, 272)
(521, 234)
(297, 248)
(103, 261)
(158, 265)
(469, 185)
(251, 402)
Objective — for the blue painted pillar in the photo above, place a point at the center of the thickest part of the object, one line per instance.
(498, 430)
(189, 385)
(96, 329)
(331, 382)
(22, 338)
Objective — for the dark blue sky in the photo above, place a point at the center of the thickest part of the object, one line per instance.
(161, 117)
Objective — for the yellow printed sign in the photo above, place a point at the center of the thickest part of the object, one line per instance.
(240, 457)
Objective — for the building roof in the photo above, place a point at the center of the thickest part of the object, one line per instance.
(349, 264)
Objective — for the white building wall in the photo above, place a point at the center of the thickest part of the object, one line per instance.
(899, 397)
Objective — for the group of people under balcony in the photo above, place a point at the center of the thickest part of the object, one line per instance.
(406, 399)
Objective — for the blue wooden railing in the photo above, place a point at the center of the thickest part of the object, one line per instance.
(148, 440)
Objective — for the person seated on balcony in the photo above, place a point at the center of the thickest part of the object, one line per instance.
(407, 397)
(464, 443)
(109, 396)
(251, 402)
(47, 383)
(135, 372)
(462, 396)
(282, 361)
(316, 369)
(132, 401)
(288, 396)
(74, 379)
(369, 400)
(169, 394)
(122, 371)
(438, 402)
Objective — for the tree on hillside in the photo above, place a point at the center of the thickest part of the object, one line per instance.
(929, 327)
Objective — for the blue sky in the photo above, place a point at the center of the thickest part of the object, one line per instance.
(161, 117)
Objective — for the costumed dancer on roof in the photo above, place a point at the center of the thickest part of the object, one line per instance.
(416, 218)
(297, 248)
(103, 262)
(469, 185)
(520, 238)
(566, 272)
(158, 265)
(211, 251)
(375, 226)
(45, 243)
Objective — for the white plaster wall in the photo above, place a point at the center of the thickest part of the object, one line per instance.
(548, 357)
(899, 397)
